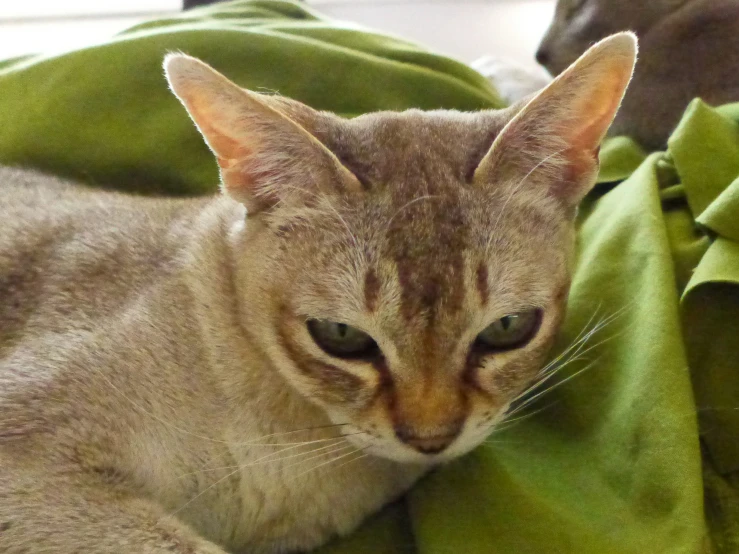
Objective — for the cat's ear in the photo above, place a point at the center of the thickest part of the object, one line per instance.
(557, 134)
(264, 155)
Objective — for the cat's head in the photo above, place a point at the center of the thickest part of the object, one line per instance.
(408, 272)
(578, 24)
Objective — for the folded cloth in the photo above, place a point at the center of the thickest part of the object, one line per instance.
(103, 114)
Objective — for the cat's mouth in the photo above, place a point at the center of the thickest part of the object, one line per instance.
(433, 451)
(403, 455)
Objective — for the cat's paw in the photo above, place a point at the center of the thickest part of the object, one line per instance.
(512, 80)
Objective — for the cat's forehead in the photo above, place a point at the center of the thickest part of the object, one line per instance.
(422, 232)
(415, 148)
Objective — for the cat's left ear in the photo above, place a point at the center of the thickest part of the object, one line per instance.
(265, 156)
(555, 137)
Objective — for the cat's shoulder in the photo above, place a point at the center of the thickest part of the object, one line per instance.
(86, 252)
(33, 200)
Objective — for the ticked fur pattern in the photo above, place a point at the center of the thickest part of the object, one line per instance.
(159, 389)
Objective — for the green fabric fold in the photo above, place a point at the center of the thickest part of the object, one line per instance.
(635, 448)
(104, 115)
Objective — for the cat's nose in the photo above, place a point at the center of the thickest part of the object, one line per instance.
(542, 56)
(427, 444)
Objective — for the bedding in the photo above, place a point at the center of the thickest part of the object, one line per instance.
(635, 449)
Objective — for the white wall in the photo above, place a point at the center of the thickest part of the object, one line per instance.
(464, 29)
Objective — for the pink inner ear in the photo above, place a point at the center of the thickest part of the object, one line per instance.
(235, 160)
(225, 148)
(247, 185)
(586, 134)
(583, 154)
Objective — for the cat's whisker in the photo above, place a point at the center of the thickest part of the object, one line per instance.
(288, 444)
(311, 455)
(241, 444)
(572, 351)
(201, 493)
(221, 480)
(505, 442)
(265, 459)
(336, 450)
(577, 355)
(335, 459)
(506, 423)
(528, 401)
(577, 350)
(581, 350)
(254, 462)
(539, 381)
(351, 461)
(584, 336)
(558, 384)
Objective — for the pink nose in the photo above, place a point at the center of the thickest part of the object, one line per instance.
(427, 444)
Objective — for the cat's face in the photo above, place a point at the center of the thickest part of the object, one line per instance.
(578, 24)
(417, 309)
(408, 271)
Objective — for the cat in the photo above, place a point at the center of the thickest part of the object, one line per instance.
(688, 49)
(261, 370)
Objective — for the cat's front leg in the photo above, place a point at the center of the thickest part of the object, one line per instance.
(45, 510)
(513, 81)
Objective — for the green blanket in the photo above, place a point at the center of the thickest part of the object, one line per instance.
(636, 450)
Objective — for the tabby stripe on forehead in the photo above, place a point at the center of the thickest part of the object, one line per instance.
(427, 241)
(482, 283)
(371, 290)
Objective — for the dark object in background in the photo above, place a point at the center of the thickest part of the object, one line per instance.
(187, 4)
(687, 49)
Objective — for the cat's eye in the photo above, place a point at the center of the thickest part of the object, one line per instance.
(341, 340)
(510, 331)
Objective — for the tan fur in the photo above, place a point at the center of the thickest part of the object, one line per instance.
(158, 385)
(688, 49)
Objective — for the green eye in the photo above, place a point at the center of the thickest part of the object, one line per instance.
(510, 331)
(341, 340)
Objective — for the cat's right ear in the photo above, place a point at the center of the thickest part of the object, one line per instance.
(265, 157)
(554, 139)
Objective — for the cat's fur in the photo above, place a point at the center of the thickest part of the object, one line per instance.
(159, 391)
(687, 49)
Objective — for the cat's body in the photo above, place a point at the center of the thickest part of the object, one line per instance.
(688, 49)
(101, 324)
(176, 375)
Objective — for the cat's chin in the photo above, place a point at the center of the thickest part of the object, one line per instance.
(388, 450)
(378, 446)
(406, 455)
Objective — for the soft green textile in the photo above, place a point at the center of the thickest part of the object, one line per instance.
(104, 114)
(612, 464)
